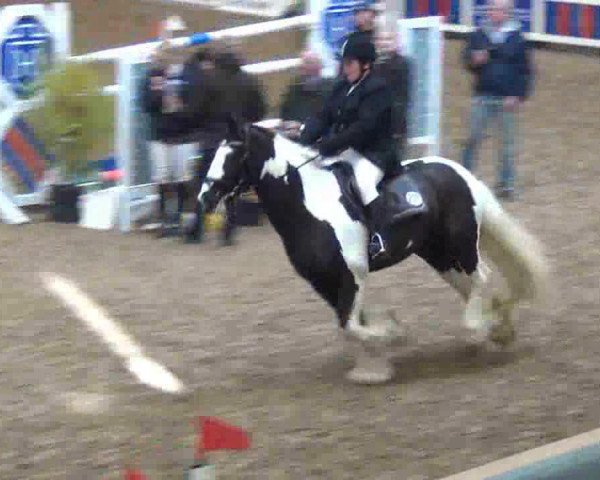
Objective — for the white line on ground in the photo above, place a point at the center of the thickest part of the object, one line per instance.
(145, 369)
(520, 460)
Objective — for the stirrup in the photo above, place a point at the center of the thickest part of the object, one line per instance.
(376, 246)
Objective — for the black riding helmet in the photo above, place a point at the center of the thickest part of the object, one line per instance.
(360, 48)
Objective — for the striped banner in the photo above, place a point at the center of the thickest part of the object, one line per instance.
(573, 19)
(24, 155)
(449, 9)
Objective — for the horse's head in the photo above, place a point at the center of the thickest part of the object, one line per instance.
(237, 162)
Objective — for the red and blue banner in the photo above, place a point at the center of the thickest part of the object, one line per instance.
(522, 11)
(24, 156)
(573, 19)
(449, 9)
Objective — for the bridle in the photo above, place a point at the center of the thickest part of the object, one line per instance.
(244, 181)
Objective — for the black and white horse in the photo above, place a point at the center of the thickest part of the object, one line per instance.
(447, 217)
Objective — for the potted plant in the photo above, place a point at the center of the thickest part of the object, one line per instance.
(73, 120)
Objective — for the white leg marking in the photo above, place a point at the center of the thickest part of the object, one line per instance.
(470, 288)
(372, 363)
(145, 369)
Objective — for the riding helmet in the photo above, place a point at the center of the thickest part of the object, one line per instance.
(360, 48)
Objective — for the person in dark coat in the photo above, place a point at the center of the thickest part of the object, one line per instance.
(173, 143)
(498, 57)
(306, 94)
(358, 115)
(223, 89)
(209, 86)
(396, 69)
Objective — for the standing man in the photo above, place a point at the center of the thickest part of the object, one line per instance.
(497, 56)
(172, 148)
(306, 95)
(231, 91)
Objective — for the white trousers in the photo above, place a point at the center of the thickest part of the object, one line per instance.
(172, 163)
(367, 174)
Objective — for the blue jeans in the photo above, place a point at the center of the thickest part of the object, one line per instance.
(483, 110)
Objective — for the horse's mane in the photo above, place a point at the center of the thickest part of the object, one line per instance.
(272, 127)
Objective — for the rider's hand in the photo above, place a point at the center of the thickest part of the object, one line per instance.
(326, 147)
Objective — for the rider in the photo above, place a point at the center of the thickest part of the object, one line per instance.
(358, 115)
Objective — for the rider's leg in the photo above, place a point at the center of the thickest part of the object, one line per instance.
(368, 176)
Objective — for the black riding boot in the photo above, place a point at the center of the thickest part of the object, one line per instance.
(230, 222)
(376, 219)
(162, 210)
(195, 230)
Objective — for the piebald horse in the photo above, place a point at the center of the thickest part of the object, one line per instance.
(447, 217)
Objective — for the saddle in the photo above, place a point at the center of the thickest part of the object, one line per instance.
(400, 192)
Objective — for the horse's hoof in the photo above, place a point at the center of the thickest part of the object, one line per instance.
(474, 349)
(503, 334)
(371, 369)
(365, 376)
(227, 241)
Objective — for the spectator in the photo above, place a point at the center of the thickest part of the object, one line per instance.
(222, 89)
(498, 57)
(171, 148)
(306, 94)
(395, 68)
(365, 16)
(295, 8)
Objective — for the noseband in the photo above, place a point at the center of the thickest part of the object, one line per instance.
(243, 182)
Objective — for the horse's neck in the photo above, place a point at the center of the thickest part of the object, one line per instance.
(280, 185)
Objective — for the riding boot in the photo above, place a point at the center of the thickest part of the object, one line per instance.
(195, 231)
(376, 219)
(162, 215)
(230, 221)
(181, 198)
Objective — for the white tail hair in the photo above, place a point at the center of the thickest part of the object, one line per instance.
(518, 254)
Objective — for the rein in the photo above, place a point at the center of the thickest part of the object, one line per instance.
(312, 159)
(243, 184)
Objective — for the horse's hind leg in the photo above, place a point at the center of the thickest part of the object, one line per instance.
(470, 287)
(463, 270)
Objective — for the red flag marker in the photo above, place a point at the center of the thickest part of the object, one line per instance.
(131, 474)
(218, 435)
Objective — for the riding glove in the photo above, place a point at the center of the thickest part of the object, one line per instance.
(328, 146)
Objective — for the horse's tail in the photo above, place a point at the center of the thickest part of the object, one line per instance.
(517, 253)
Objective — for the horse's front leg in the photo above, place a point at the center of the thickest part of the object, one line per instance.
(373, 365)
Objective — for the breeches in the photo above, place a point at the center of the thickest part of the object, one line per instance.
(367, 174)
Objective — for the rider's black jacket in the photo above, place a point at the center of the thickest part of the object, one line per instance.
(355, 116)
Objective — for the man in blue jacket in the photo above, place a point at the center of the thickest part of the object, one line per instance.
(497, 55)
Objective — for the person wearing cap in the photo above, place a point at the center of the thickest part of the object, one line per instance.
(358, 115)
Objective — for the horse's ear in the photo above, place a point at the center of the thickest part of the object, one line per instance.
(234, 130)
